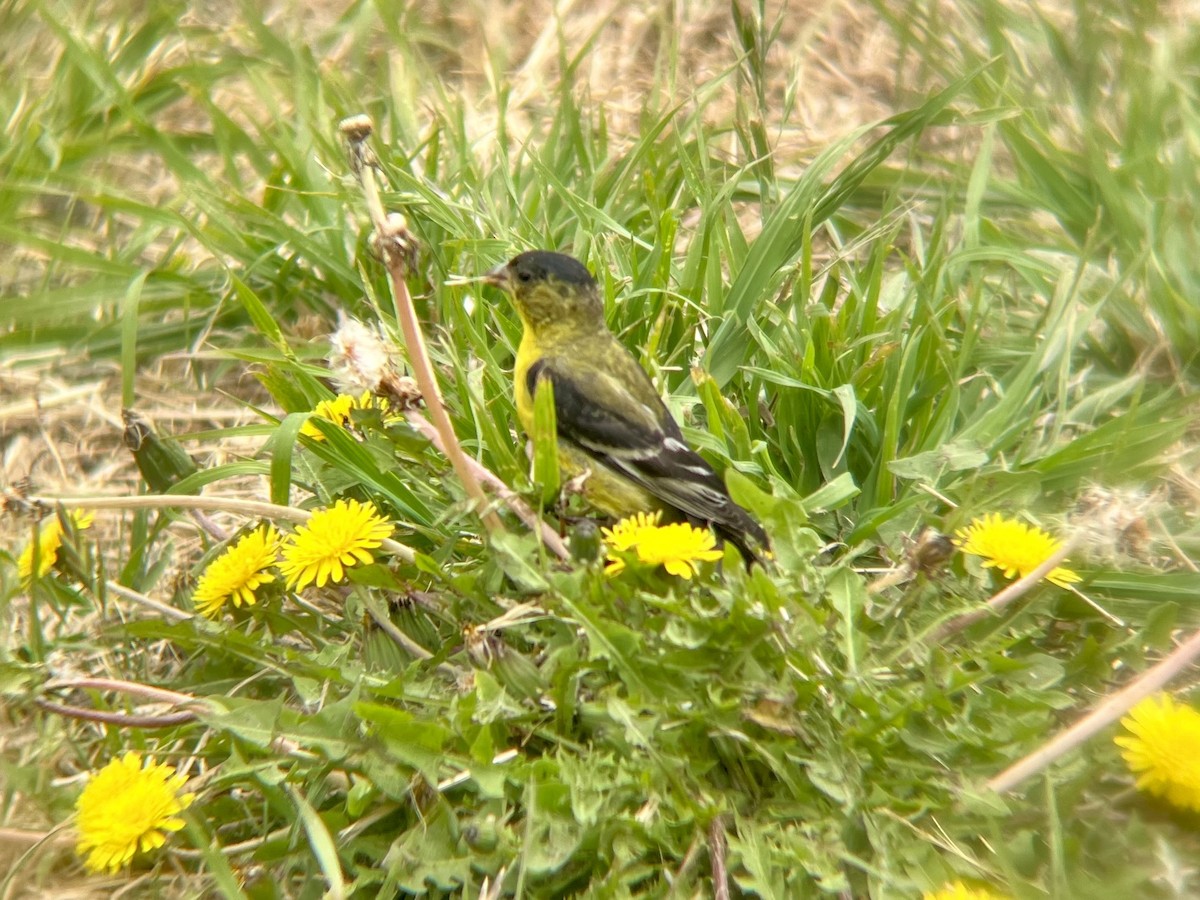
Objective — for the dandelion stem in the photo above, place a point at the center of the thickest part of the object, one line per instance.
(59, 835)
(522, 511)
(395, 252)
(125, 720)
(1150, 681)
(135, 688)
(684, 873)
(716, 851)
(158, 606)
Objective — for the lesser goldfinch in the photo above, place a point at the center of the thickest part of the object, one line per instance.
(610, 419)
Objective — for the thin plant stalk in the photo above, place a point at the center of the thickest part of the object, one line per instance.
(396, 249)
(1150, 681)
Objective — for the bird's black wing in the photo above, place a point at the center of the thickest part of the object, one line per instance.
(637, 437)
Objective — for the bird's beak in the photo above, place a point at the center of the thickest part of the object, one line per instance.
(498, 276)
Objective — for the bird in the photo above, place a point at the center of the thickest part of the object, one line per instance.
(611, 421)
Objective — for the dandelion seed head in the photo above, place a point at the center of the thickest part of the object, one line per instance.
(360, 359)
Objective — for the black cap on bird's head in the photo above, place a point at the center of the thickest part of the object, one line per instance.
(548, 286)
(539, 265)
(544, 264)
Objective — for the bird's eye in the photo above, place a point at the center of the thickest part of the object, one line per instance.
(524, 276)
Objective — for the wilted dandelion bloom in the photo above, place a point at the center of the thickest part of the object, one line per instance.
(126, 807)
(49, 539)
(237, 573)
(338, 411)
(1163, 749)
(333, 540)
(959, 891)
(359, 356)
(1012, 547)
(679, 547)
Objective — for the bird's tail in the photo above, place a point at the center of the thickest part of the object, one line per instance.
(744, 533)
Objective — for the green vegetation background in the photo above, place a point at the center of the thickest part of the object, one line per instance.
(985, 303)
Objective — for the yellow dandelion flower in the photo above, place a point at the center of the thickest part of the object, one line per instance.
(338, 411)
(1164, 750)
(48, 541)
(624, 535)
(334, 539)
(959, 891)
(127, 806)
(679, 548)
(1012, 547)
(237, 573)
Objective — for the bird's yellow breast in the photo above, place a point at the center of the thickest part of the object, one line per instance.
(528, 352)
